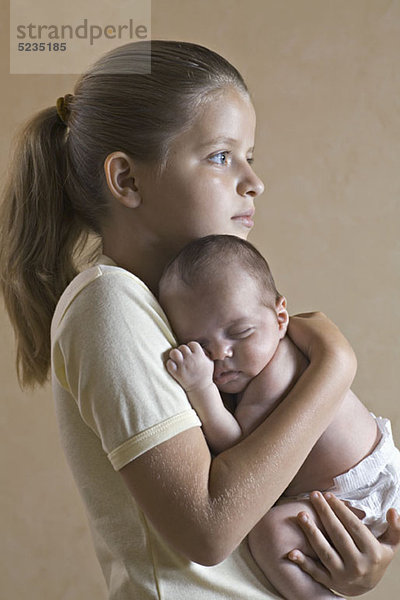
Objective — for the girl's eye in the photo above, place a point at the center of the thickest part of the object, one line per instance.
(221, 158)
(250, 160)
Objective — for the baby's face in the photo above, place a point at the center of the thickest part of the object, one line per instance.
(231, 322)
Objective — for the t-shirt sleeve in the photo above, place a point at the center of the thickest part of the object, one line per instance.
(108, 351)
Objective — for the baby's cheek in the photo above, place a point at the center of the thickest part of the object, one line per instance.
(258, 359)
(250, 360)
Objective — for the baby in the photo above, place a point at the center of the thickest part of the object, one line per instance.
(236, 365)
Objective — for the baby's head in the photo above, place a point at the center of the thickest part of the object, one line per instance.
(220, 292)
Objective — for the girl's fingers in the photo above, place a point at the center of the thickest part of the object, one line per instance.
(346, 531)
(391, 537)
(310, 566)
(318, 542)
(353, 560)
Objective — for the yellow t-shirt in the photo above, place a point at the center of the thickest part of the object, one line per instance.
(114, 401)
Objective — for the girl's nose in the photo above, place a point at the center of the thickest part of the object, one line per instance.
(220, 350)
(250, 184)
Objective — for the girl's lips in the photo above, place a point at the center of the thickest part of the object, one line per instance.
(247, 221)
(246, 218)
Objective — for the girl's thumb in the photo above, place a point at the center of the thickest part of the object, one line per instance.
(391, 537)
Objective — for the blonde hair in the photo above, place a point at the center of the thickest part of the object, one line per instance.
(56, 193)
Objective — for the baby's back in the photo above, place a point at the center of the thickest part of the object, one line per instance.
(350, 437)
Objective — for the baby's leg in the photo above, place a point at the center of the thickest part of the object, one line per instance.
(272, 539)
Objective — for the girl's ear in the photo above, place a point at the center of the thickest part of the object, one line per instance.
(119, 172)
(282, 315)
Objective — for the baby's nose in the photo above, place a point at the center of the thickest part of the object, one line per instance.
(220, 350)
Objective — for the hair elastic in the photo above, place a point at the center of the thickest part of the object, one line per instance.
(63, 107)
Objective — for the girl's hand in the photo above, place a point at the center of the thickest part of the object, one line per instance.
(190, 366)
(315, 335)
(354, 561)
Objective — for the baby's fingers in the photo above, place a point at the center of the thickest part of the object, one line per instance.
(179, 353)
(176, 356)
(195, 347)
(171, 367)
(175, 361)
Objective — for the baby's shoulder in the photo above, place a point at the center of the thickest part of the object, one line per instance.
(290, 356)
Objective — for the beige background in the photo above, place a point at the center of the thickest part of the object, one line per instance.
(325, 79)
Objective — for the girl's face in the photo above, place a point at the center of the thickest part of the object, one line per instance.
(208, 185)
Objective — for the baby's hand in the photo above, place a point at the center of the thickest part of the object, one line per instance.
(190, 366)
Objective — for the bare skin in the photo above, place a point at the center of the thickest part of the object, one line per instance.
(207, 506)
(244, 351)
(235, 343)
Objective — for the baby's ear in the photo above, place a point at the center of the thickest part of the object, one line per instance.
(282, 315)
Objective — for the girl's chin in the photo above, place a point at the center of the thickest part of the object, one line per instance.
(242, 233)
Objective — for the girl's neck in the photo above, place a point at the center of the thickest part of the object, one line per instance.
(144, 258)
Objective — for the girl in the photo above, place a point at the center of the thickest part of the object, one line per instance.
(148, 162)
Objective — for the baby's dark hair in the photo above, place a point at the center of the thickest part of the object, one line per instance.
(202, 259)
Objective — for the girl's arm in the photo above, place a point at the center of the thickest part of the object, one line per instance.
(193, 370)
(204, 507)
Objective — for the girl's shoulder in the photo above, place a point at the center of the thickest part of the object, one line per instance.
(102, 289)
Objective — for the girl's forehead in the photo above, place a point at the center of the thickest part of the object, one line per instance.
(229, 117)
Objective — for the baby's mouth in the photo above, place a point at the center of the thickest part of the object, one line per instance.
(224, 377)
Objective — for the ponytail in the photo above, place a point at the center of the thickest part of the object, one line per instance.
(38, 236)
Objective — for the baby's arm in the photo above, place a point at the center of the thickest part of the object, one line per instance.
(193, 370)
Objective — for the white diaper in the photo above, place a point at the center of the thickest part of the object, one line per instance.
(374, 484)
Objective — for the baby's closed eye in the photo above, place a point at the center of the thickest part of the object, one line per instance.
(241, 333)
